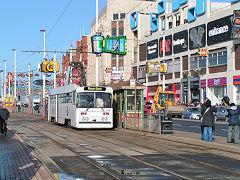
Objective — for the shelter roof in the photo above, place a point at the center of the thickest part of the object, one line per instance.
(121, 85)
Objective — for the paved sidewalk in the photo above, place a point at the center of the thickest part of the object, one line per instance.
(17, 161)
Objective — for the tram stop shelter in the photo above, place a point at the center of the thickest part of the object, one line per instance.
(128, 104)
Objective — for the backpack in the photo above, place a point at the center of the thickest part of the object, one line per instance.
(4, 113)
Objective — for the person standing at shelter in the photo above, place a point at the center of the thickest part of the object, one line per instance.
(234, 123)
(207, 121)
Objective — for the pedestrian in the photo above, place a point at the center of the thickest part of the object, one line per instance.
(4, 115)
(207, 121)
(234, 123)
(123, 119)
(36, 109)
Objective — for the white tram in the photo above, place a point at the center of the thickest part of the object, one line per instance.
(81, 107)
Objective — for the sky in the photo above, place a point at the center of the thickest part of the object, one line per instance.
(22, 20)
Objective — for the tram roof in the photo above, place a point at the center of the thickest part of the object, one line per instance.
(63, 89)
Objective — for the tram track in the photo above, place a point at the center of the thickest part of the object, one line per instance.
(113, 174)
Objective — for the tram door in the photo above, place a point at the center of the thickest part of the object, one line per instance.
(56, 108)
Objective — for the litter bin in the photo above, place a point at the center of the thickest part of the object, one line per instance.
(166, 125)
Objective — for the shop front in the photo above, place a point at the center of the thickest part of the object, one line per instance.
(218, 89)
(236, 83)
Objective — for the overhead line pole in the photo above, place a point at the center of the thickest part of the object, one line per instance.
(44, 74)
(15, 81)
(97, 83)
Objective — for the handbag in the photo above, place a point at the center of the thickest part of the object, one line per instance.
(204, 114)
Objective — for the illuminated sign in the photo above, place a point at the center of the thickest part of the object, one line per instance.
(236, 24)
(219, 30)
(94, 88)
(114, 45)
(156, 67)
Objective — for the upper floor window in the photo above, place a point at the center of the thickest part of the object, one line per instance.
(198, 62)
(122, 15)
(121, 31)
(217, 58)
(114, 56)
(114, 32)
(115, 16)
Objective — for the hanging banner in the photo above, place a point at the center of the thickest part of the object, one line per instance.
(114, 45)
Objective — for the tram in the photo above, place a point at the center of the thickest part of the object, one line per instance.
(81, 107)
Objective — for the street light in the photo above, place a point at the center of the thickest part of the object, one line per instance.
(15, 81)
(44, 74)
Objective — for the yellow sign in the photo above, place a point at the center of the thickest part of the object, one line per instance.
(48, 66)
(153, 67)
(203, 52)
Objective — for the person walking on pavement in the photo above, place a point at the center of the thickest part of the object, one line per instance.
(4, 115)
(234, 123)
(207, 121)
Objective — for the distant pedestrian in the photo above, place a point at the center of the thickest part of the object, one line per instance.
(123, 119)
(4, 115)
(225, 100)
(207, 121)
(234, 123)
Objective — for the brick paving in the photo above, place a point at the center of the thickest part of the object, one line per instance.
(17, 161)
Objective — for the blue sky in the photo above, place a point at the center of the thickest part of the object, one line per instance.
(22, 20)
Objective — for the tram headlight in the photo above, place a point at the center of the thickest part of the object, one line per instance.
(85, 118)
(104, 119)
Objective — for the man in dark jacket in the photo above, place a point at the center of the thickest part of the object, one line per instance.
(234, 123)
(4, 115)
(208, 123)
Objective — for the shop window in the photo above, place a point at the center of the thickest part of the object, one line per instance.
(122, 15)
(115, 16)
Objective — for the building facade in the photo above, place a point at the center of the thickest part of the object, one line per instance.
(114, 20)
(177, 33)
(79, 54)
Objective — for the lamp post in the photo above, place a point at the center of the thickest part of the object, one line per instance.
(1, 86)
(97, 83)
(15, 81)
(4, 85)
(44, 74)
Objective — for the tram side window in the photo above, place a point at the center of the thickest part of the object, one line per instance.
(65, 98)
(52, 99)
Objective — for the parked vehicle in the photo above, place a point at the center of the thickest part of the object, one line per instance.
(221, 114)
(191, 113)
(147, 109)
